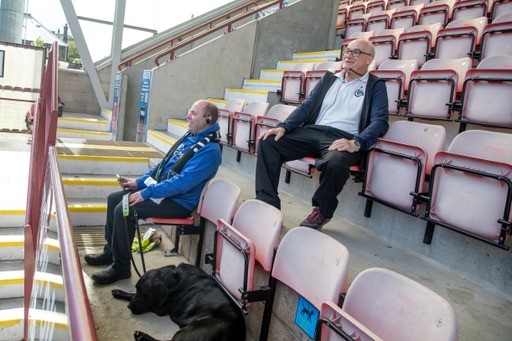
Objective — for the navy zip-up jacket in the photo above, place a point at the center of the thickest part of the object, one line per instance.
(374, 116)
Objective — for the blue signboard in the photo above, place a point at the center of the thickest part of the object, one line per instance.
(143, 111)
(116, 105)
(306, 317)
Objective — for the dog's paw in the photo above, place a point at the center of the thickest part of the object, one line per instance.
(141, 336)
(118, 293)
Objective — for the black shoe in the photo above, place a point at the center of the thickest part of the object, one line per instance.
(101, 258)
(110, 275)
(315, 220)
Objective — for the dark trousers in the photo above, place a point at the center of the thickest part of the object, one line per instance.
(310, 140)
(119, 233)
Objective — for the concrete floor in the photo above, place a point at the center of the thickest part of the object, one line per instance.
(482, 313)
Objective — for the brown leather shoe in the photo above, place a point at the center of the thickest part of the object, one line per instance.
(101, 258)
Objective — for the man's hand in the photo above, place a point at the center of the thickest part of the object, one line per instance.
(278, 132)
(135, 198)
(126, 183)
(343, 145)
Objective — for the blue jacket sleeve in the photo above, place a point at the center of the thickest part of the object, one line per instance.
(378, 117)
(202, 167)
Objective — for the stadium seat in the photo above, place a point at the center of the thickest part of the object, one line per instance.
(418, 43)
(292, 84)
(385, 43)
(276, 114)
(469, 9)
(500, 7)
(405, 17)
(314, 76)
(357, 24)
(496, 38)
(356, 9)
(433, 89)
(384, 305)
(439, 11)
(419, 2)
(396, 4)
(243, 125)
(379, 21)
(398, 164)
(485, 98)
(460, 38)
(253, 237)
(471, 188)
(342, 18)
(397, 74)
(375, 6)
(218, 200)
(225, 116)
(312, 264)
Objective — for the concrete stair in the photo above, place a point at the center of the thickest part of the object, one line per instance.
(84, 126)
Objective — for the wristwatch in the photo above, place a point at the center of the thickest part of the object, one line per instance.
(357, 145)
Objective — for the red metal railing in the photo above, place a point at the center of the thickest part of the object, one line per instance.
(45, 186)
(207, 28)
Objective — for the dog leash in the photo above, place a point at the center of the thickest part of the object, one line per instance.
(126, 212)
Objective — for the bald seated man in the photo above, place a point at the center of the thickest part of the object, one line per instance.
(340, 120)
(170, 190)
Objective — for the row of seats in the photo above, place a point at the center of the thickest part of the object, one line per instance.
(444, 86)
(460, 38)
(250, 235)
(395, 13)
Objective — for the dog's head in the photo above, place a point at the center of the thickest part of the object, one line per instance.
(153, 289)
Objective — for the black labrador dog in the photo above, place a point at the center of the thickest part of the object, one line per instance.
(192, 299)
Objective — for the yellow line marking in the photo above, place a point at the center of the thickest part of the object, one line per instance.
(180, 123)
(256, 92)
(101, 121)
(87, 208)
(105, 147)
(103, 158)
(13, 243)
(337, 52)
(10, 322)
(12, 281)
(12, 212)
(300, 61)
(89, 181)
(263, 81)
(162, 137)
(78, 131)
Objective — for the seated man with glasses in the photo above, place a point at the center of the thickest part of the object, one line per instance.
(341, 119)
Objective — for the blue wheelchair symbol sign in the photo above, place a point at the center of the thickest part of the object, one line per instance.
(306, 317)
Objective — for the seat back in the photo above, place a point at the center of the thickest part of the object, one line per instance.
(225, 117)
(276, 114)
(500, 7)
(439, 11)
(391, 174)
(385, 43)
(418, 42)
(460, 38)
(486, 97)
(220, 202)
(460, 65)
(496, 40)
(473, 202)
(469, 9)
(243, 125)
(292, 86)
(379, 21)
(312, 264)
(406, 16)
(395, 307)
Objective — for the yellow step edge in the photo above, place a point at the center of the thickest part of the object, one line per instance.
(52, 244)
(89, 181)
(10, 322)
(259, 92)
(180, 123)
(90, 146)
(272, 70)
(13, 243)
(87, 208)
(277, 81)
(12, 212)
(12, 281)
(78, 131)
(85, 120)
(103, 158)
(217, 100)
(39, 317)
(300, 61)
(317, 53)
(162, 137)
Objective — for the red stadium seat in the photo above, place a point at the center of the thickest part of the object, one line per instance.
(418, 42)
(292, 85)
(379, 21)
(405, 17)
(439, 11)
(471, 188)
(243, 125)
(385, 43)
(469, 9)
(460, 38)
(275, 115)
(225, 116)
(496, 39)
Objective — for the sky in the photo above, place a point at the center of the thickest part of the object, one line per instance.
(153, 14)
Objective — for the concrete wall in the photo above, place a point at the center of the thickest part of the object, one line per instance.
(76, 91)
(308, 25)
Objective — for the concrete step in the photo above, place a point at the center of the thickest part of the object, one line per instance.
(89, 186)
(331, 55)
(219, 102)
(262, 84)
(87, 211)
(271, 74)
(78, 156)
(247, 95)
(11, 284)
(12, 265)
(12, 217)
(11, 247)
(83, 122)
(11, 321)
(161, 140)
(289, 64)
(85, 134)
(177, 127)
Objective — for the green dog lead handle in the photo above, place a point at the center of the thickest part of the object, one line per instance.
(125, 203)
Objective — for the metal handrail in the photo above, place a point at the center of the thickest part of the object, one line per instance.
(226, 25)
(184, 35)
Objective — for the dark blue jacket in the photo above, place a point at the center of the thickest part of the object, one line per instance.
(185, 188)
(374, 116)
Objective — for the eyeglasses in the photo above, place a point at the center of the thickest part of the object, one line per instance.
(355, 52)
